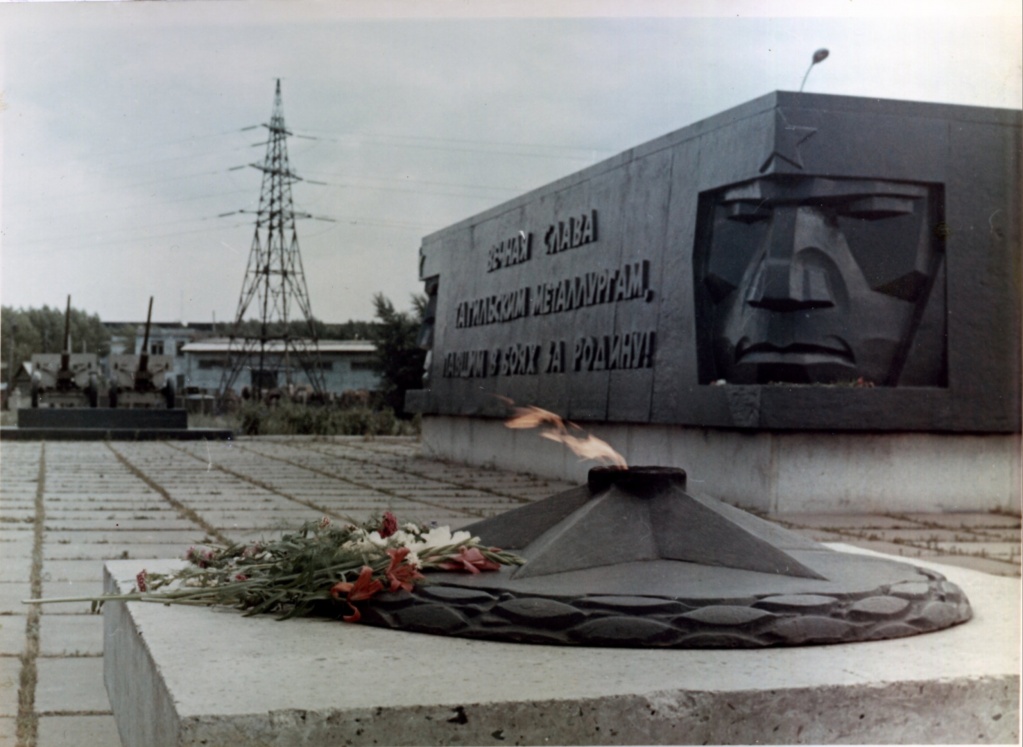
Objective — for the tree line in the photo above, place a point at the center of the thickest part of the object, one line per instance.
(33, 331)
(350, 330)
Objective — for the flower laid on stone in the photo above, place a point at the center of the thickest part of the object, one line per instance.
(323, 567)
(469, 559)
(364, 588)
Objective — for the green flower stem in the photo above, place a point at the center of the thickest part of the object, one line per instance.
(289, 576)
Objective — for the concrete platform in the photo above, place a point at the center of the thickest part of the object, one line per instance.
(107, 424)
(114, 434)
(68, 488)
(191, 676)
(101, 417)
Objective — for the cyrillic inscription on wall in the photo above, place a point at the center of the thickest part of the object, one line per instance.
(595, 286)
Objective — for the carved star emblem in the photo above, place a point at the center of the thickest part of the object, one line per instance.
(786, 141)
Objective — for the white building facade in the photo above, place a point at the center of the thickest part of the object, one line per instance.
(346, 365)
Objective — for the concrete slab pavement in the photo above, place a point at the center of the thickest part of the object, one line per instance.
(65, 507)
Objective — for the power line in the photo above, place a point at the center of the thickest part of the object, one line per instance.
(137, 239)
(349, 184)
(455, 149)
(190, 138)
(372, 183)
(142, 234)
(463, 141)
(49, 196)
(410, 180)
(400, 189)
(387, 139)
(163, 201)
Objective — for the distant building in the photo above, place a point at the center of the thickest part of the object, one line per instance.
(200, 357)
(346, 365)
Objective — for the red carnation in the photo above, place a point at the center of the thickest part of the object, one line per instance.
(389, 525)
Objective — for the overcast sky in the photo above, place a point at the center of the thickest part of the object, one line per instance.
(123, 124)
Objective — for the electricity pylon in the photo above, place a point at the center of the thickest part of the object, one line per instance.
(274, 280)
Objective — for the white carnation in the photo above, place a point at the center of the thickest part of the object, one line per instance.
(441, 537)
(402, 538)
(376, 540)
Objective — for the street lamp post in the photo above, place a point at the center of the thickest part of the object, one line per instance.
(819, 56)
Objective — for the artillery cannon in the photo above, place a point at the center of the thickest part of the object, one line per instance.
(66, 379)
(141, 381)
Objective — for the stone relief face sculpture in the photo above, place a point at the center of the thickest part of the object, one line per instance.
(813, 280)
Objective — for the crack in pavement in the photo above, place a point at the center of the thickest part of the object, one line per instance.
(27, 728)
(184, 511)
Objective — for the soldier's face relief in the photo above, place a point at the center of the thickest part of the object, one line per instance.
(816, 280)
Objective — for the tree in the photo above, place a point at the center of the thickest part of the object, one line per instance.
(42, 331)
(299, 329)
(352, 330)
(399, 357)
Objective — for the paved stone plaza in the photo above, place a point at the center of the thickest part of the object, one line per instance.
(65, 507)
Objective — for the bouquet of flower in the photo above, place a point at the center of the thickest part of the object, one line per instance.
(313, 569)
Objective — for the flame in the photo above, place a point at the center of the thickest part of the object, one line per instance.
(531, 416)
(585, 445)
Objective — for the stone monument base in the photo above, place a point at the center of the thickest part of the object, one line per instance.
(233, 680)
(115, 434)
(101, 417)
(107, 424)
(772, 472)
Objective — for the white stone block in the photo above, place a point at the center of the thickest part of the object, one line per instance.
(191, 676)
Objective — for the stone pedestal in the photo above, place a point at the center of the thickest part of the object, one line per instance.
(191, 676)
(101, 417)
(772, 472)
(107, 424)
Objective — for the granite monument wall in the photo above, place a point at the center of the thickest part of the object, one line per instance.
(801, 262)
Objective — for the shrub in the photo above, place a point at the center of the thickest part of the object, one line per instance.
(286, 419)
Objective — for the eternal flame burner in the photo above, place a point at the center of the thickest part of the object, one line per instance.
(633, 559)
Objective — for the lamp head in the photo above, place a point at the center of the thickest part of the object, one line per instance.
(819, 56)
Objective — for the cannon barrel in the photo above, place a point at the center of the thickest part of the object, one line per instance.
(144, 353)
(146, 376)
(65, 377)
(65, 351)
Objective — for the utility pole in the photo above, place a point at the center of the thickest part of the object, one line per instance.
(274, 280)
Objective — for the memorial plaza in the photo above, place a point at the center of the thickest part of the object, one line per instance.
(67, 507)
